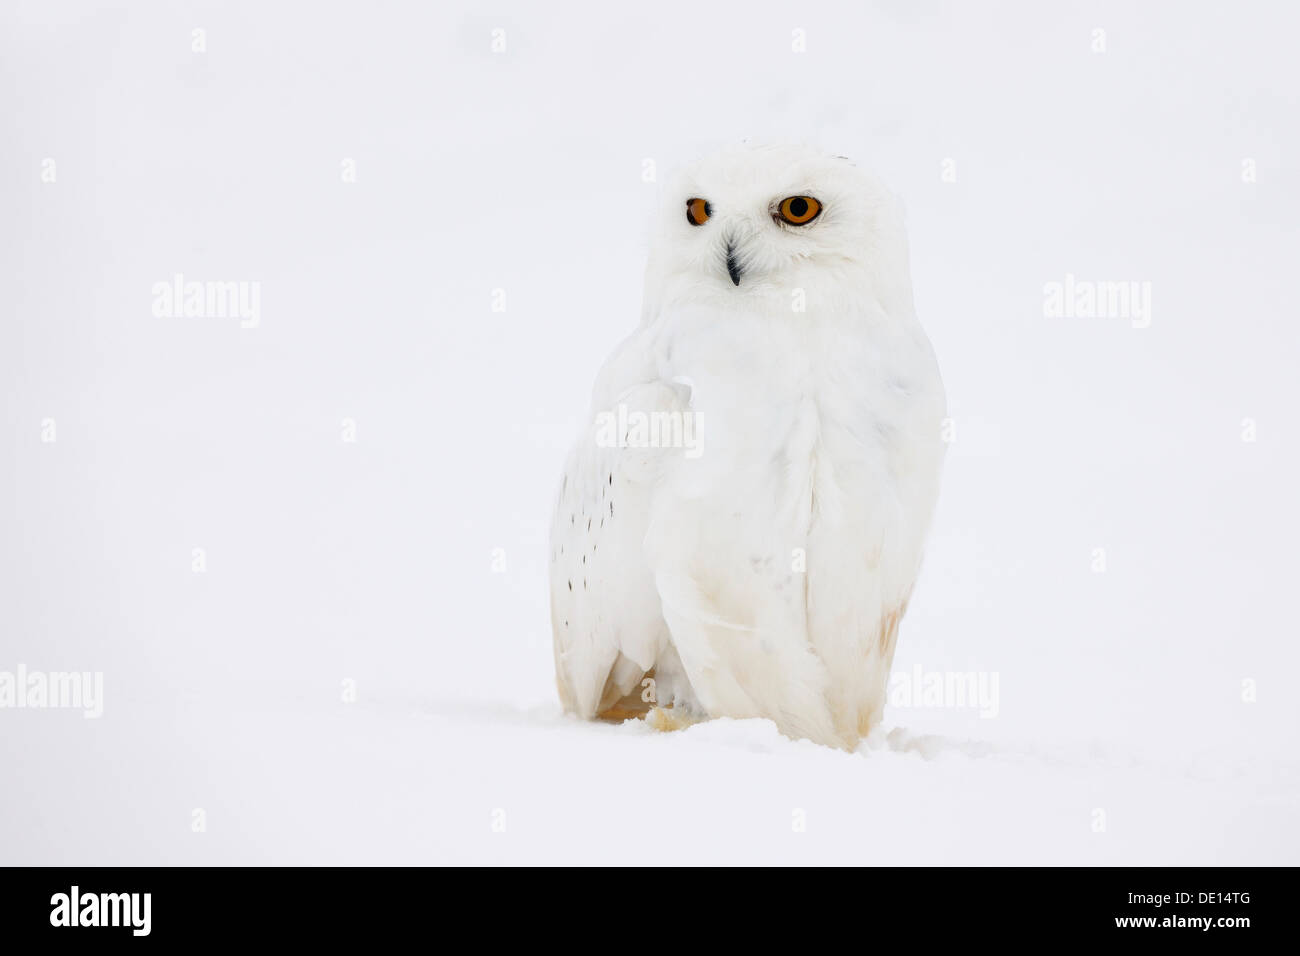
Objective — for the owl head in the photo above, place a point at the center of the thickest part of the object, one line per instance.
(755, 226)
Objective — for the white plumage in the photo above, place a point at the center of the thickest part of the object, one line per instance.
(739, 529)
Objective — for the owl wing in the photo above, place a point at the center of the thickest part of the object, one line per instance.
(606, 617)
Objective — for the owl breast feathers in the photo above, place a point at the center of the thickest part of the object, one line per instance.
(739, 527)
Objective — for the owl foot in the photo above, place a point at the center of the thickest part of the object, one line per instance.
(667, 719)
(621, 712)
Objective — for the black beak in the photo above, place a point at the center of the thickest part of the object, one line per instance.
(733, 264)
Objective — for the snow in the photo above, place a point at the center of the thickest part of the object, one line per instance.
(428, 782)
(1145, 712)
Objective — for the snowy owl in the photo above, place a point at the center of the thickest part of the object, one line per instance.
(739, 528)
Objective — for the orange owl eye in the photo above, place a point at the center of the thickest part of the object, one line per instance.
(698, 211)
(799, 210)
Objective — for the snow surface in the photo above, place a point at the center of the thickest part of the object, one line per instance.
(1122, 734)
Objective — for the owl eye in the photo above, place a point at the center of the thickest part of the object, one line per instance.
(698, 211)
(799, 210)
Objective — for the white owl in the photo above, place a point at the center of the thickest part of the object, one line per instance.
(739, 529)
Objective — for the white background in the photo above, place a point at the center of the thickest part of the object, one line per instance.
(1119, 692)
